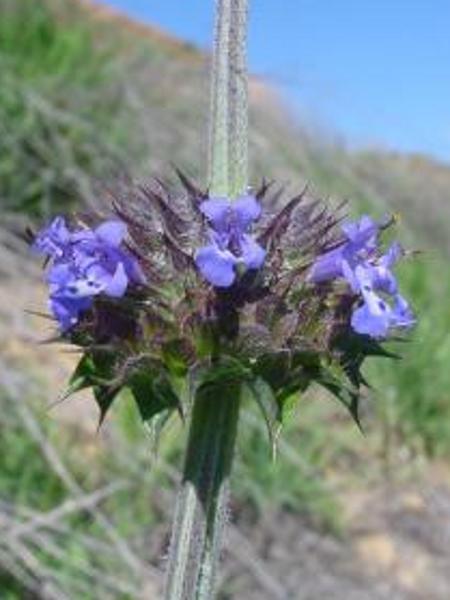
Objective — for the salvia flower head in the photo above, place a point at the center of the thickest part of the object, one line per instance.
(179, 285)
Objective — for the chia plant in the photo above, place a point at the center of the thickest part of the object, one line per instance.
(199, 299)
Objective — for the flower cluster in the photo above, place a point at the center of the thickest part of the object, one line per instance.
(84, 264)
(369, 275)
(222, 290)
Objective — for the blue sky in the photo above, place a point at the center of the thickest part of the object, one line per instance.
(373, 71)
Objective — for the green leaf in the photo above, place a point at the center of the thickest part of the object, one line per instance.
(267, 402)
(81, 378)
(176, 357)
(104, 396)
(153, 394)
(156, 426)
(288, 404)
(353, 349)
(274, 368)
(349, 397)
(96, 370)
(205, 340)
(228, 371)
(289, 371)
(297, 381)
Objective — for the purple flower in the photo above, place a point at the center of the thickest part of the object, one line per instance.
(85, 263)
(383, 308)
(67, 311)
(231, 244)
(52, 240)
(361, 243)
(378, 269)
(376, 317)
(357, 261)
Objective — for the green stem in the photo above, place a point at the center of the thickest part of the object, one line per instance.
(228, 135)
(218, 168)
(202, 501)
(238, 99)
(201, 510)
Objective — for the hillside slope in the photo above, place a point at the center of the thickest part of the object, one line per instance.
(99, 95)
(415, 185)
(85, 95)
(150, 97)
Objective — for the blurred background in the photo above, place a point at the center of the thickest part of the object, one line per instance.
(351, 98)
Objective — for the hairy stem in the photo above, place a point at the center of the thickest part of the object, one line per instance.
(238, 99)
(218, 167)
(228, 136)
(202, 501)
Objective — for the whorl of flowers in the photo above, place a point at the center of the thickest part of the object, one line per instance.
(368, 273)
(173, 283)
(85, 263)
